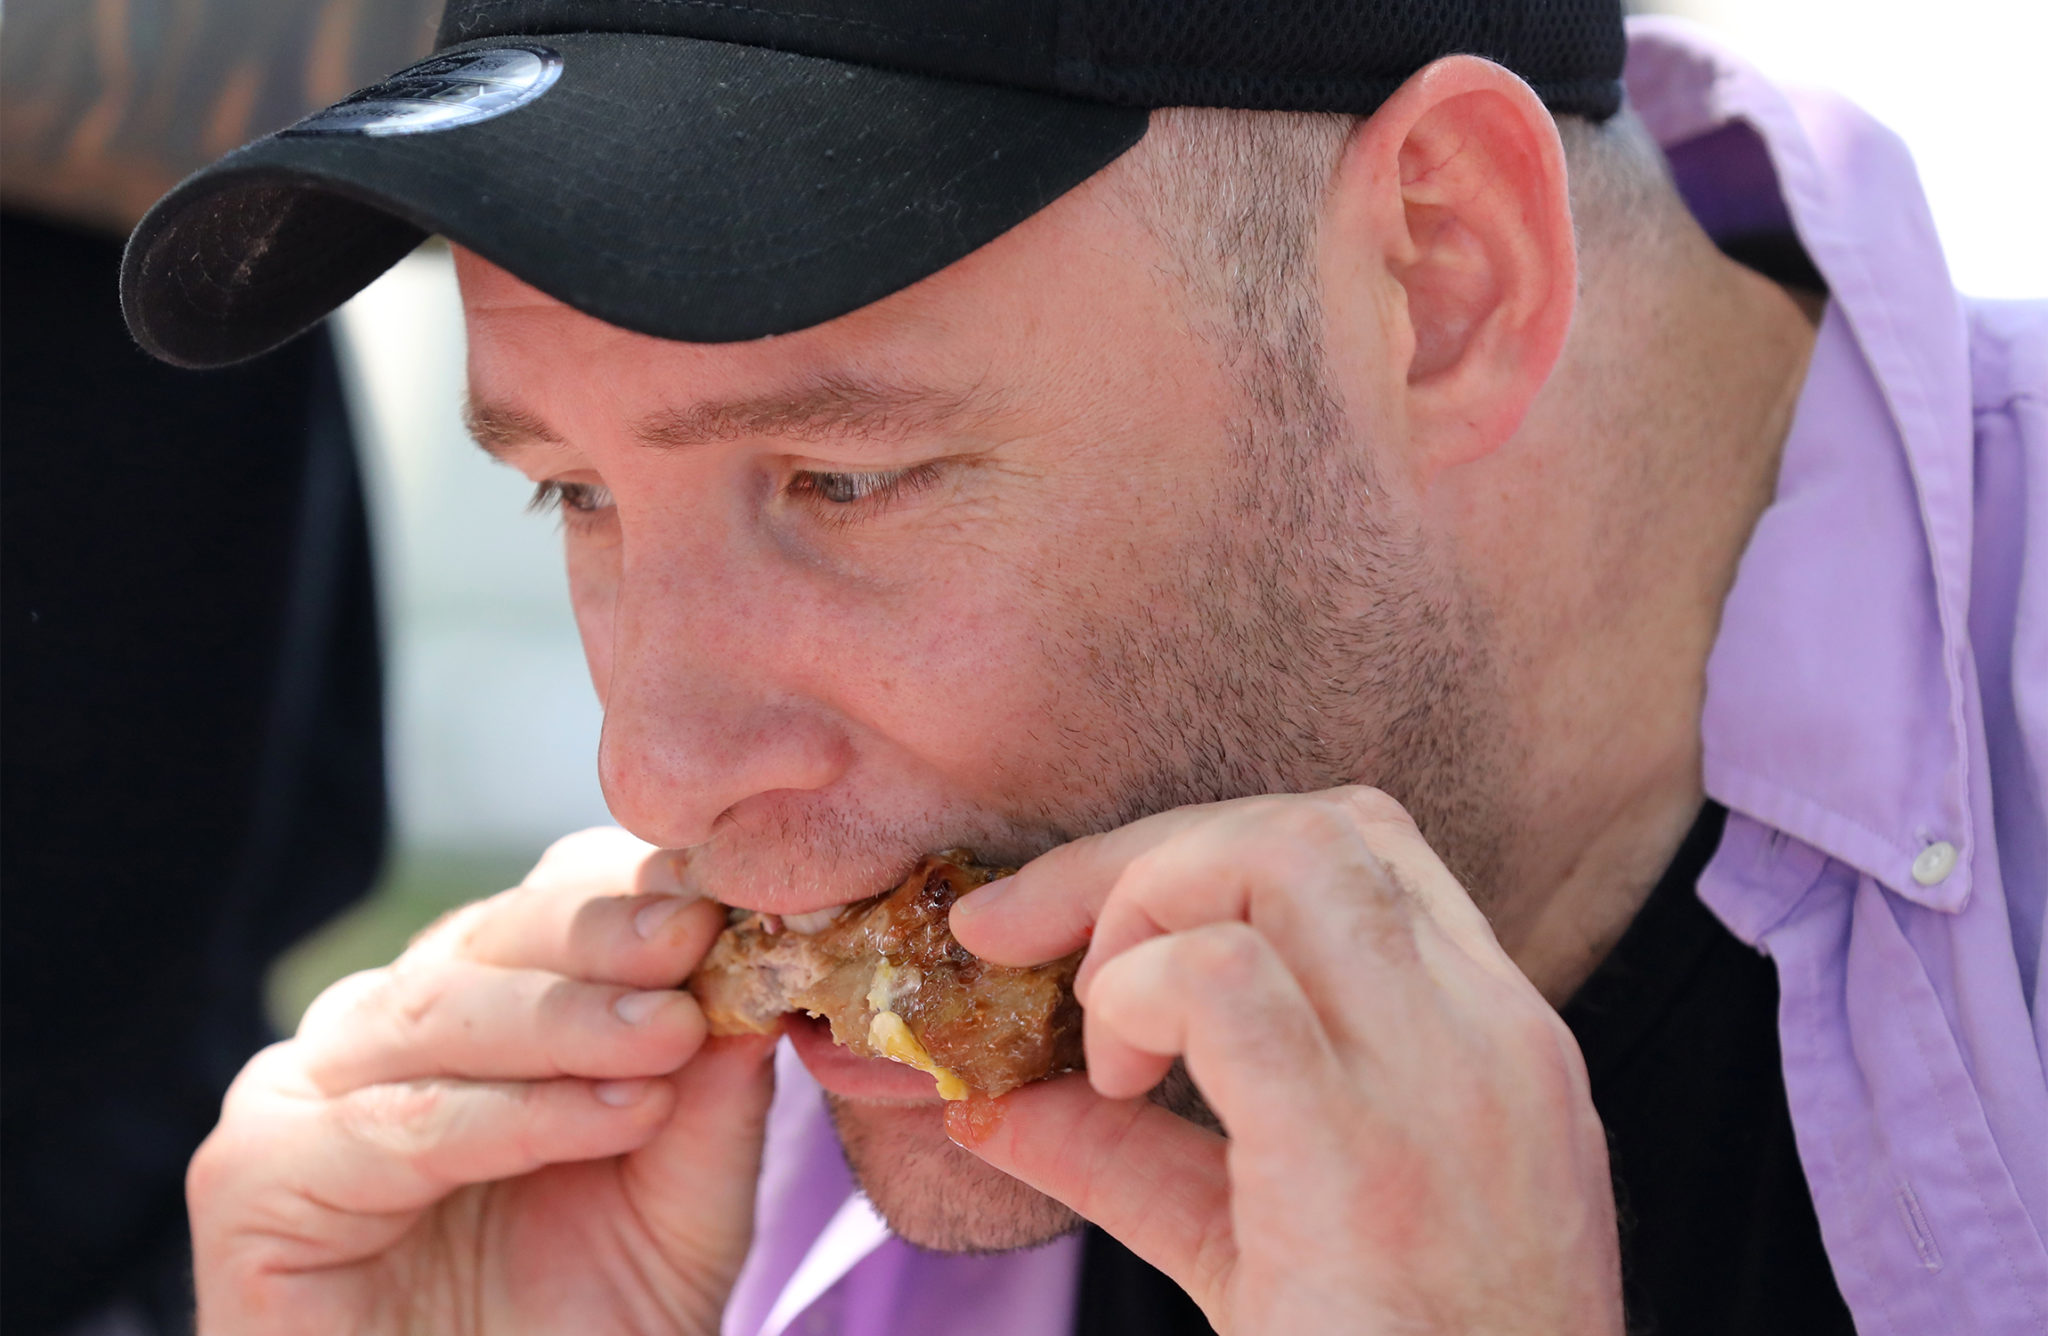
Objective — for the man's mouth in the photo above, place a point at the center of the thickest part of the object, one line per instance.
(850, 1076)
(840, 1070)
(890, 982)
(806, 923)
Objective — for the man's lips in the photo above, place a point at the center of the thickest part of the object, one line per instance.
(851, 1076)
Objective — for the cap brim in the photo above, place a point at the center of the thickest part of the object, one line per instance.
(682, 188)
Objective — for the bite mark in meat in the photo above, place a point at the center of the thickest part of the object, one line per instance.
(888, 976)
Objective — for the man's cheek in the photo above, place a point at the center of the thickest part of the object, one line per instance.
(961, 689)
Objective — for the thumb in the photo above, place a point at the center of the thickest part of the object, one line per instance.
(692, 1185)
(1156, 1182)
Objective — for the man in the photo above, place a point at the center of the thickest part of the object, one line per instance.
(1175, 420)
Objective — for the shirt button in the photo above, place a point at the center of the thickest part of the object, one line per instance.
(1933, 864)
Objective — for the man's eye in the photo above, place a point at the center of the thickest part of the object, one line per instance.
(570, 498)
(833, 490)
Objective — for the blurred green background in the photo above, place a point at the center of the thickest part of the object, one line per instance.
(418, 886)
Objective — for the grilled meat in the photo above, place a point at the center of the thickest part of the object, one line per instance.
(888, 976)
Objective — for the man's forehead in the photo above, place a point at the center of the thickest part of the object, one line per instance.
(507, 314)
(1031, 324)
(525, 346)
(487, 287)
(794, 387)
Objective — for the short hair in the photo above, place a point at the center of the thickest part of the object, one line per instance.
(1235, 197)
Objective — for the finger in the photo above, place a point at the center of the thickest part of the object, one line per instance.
(1297, 869)
(1220, 997)
(481, 1022)
(1050, 906)
(598, 929)
(1207, 863)
(603, 860)
(1312, 870)
(385, 1150)
(604, 855)
(720, 1110)
(1419, 871)
(1159, 1184)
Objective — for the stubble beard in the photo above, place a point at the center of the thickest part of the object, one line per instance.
(1306, 641)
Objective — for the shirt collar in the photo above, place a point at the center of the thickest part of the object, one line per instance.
(1837, 692)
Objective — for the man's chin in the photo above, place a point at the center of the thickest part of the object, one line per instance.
(934, 1194)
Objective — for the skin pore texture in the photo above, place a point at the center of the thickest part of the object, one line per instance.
(1288, 452)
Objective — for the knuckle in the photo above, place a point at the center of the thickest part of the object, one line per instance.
(270, 1066)
(1314, 823)
(1538, 1033)
(1566, 1065)
(596, 850)
(1142, 871)
(555, 1003)
(1540, 1047)
(1303, 836)
(286, 1070)
(344, 998)
(373, 992)
(453, 933)
(1371, 806)
(404, 1117)
(601, 928)
(209, 1174)
(569, 848)
(410, 1000)
(527, 1141)
(658, 871)
(1224, 958)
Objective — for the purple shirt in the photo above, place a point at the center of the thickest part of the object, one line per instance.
(1876, 723)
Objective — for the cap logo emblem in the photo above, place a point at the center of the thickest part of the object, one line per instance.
(457, 89)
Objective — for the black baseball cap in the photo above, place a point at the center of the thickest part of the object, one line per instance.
(714, 170)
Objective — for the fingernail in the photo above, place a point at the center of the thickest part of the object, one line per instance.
(980, 898)
(635, 1008)
(619, 1094)
(647, 920)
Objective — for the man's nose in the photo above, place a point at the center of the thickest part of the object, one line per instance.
(706, 707)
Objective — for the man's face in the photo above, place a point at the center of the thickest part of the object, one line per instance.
(1021, 553)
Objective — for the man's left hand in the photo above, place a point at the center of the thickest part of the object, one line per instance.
(1412, 1144)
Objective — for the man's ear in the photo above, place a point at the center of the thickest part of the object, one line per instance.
(1449, 223)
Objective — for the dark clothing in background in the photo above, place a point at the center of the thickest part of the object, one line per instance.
(1680, 1031)
(193, 767)
(1679, 1027)
(1122, 1295)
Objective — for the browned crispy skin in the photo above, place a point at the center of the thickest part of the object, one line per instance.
(993, 1026)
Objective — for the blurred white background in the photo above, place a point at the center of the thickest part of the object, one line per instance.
(492, 721)
(493, 725)
(1964, 82)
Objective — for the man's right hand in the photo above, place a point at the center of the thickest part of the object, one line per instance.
(517, 1126)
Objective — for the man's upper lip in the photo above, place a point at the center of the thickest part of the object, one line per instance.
(739, 898)
(798, 909)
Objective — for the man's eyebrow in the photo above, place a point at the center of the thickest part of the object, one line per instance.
(500, 428)
(821, 410)
(825, 409)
